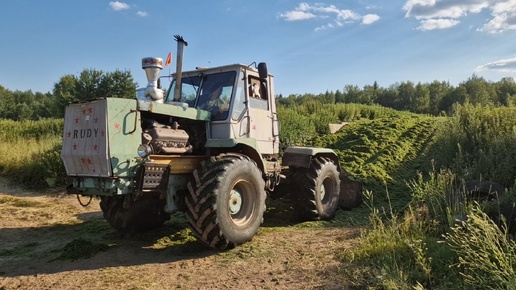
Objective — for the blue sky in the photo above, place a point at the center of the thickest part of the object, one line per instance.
(310, 47)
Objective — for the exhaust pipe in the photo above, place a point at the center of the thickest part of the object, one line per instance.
(181, 43)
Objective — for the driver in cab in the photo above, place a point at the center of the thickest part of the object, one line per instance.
(215, 104)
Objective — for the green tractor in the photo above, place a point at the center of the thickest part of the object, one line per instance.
(208, 146)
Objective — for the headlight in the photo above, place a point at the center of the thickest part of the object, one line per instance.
(144, 150)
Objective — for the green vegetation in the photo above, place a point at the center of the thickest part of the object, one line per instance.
(421, 228)
(480, 142)
(424, 231)
(487, 259)
(300, 123)
(31, 151)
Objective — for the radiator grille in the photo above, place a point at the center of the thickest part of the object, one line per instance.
(154, 177)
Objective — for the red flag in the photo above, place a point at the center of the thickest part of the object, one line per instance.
(169, 59)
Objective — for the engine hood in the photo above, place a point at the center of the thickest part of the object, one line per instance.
(180, 110)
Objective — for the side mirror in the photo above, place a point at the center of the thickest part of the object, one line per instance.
(262, 70)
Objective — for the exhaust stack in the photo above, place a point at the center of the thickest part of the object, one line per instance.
(181, 43)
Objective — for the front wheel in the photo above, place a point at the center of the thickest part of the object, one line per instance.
(226, 201)
(318, 189)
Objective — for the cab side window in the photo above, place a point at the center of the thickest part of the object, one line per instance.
(257, 90)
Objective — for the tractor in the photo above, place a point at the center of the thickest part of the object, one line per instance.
(207, 146)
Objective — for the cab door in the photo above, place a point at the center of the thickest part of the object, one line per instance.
(263, 120)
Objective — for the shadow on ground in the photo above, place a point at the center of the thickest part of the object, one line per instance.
(92, 244)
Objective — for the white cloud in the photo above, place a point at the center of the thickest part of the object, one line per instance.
(297, 15)
(504, 6)
(442, 14)
(370, 18)
(323, 9)
(335, 24)
(327, 26)
(142, 13)
(336, 16)
(504, 65)
(504, 17)
(116, 5)
(430, 9)
(369, 7)
(432, 24)
(347, 15)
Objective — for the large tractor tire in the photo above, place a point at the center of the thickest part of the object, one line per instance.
(143, 214)
(483, 190)
(226, 201)
(318, 189)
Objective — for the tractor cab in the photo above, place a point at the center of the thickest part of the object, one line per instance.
(240, 99)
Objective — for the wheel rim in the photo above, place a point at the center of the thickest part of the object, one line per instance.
(322, 191)
(240, 203)
(326, 189)
(235, 202)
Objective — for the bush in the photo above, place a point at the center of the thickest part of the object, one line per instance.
(479, 142)
(53, 165)
(40, 166)
(296, 129)
(31, 151)
(21, 130)
(487, 259)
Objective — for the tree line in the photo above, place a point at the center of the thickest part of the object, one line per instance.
(89, 84)
(435, 98)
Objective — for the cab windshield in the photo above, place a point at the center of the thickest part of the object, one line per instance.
(210, 92)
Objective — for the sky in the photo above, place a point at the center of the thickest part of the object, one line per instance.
(309, 47)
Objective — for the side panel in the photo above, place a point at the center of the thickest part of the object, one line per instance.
(261, 130)
(101, 137)
(124, 129)
(85, 150)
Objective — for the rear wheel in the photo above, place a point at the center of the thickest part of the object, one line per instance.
(226, 201)
(318, 190)
(483, 190)
(127, 215)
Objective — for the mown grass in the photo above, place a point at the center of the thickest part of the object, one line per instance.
(18, 202)
(300, 123)
(384, 153)
(81, 248)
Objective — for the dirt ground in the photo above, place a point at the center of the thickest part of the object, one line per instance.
(41, 232)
